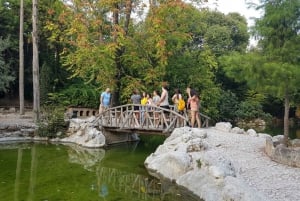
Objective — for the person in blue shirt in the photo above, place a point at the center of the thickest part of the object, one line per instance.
(105, 100)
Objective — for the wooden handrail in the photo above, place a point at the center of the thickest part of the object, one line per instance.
(149, 118)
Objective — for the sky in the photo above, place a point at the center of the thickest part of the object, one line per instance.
(239, 6)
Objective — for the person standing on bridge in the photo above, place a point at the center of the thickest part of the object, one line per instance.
(155, 98)
(155, 101)
(144, 102)
(176, 97)
(136, 99)
(164, 98)
(194, 101)
(164, 103)
(105, 100)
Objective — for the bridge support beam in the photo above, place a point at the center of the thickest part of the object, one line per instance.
(117, 137)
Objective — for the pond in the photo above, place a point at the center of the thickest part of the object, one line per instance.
(55, 172)
(294, 132)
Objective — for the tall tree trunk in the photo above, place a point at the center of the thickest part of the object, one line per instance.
(118, 53)
(120, 50)
(21, 58)
(35, 62)
(128, 11)
(286, 117)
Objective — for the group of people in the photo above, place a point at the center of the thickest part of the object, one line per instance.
(193, 101)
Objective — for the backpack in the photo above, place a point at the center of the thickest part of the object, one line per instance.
(181, 105)
(144, 101)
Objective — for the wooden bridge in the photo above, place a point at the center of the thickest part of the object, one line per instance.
(136, 118)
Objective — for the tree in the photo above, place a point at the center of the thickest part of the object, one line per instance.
(21, 58)
(6, 76)
(274, 67)
(35, 61)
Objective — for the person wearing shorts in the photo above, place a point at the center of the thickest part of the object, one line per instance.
(194, 101)
(136, 99)
(105, 100)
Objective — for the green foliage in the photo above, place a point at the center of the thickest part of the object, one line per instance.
(176, 42)
(225, 33)
(52, 123)
(152, 141)
(6, 76)
(46, 83)
(80, 95)
(199, 163)
(248, 110)
(228, 106)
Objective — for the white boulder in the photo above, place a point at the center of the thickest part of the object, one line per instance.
(170, 165)
(252, 132)
(223, 126)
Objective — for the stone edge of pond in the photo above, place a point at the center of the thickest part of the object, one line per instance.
(280, 153)
(5, 140)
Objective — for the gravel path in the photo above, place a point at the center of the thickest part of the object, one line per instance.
(278, 182)
(16, 119)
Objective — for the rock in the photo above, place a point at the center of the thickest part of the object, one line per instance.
(224, 165)
(235, 189)
(89, 137)
(223, 126)
(199, 133)
(170, 165)
(201, 168)
(286, 155)
(279, 152)
(216, 172)
(196, 145)
(263, 135)
(238, 130)
(38, 138)
(295, 143)
(252, 132)
(269, 148)
(3, 127)
(278, 139)
(202, 185)
(12, 110)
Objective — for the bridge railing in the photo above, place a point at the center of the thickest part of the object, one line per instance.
(136, 116)
(203, 118)
(148, 118)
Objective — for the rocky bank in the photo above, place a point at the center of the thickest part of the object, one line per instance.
(224, 164)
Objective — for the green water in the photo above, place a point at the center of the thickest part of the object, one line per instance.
(47, 172)
(294, 132)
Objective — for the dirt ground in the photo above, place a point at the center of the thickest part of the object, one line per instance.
(15, 118)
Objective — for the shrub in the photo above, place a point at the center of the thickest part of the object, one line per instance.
(248, 110)
(76, 95)
(52, 122)
(228, 106)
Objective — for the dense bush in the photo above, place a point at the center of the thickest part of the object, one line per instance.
(228, 106)
(251, 110)
(52, 123)
(80, 95)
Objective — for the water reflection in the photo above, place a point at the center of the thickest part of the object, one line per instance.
(55, 172)
(18, 172)
(294, 132)
(88, 158)
(130, 185)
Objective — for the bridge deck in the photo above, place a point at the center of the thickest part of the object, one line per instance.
(137, 118)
